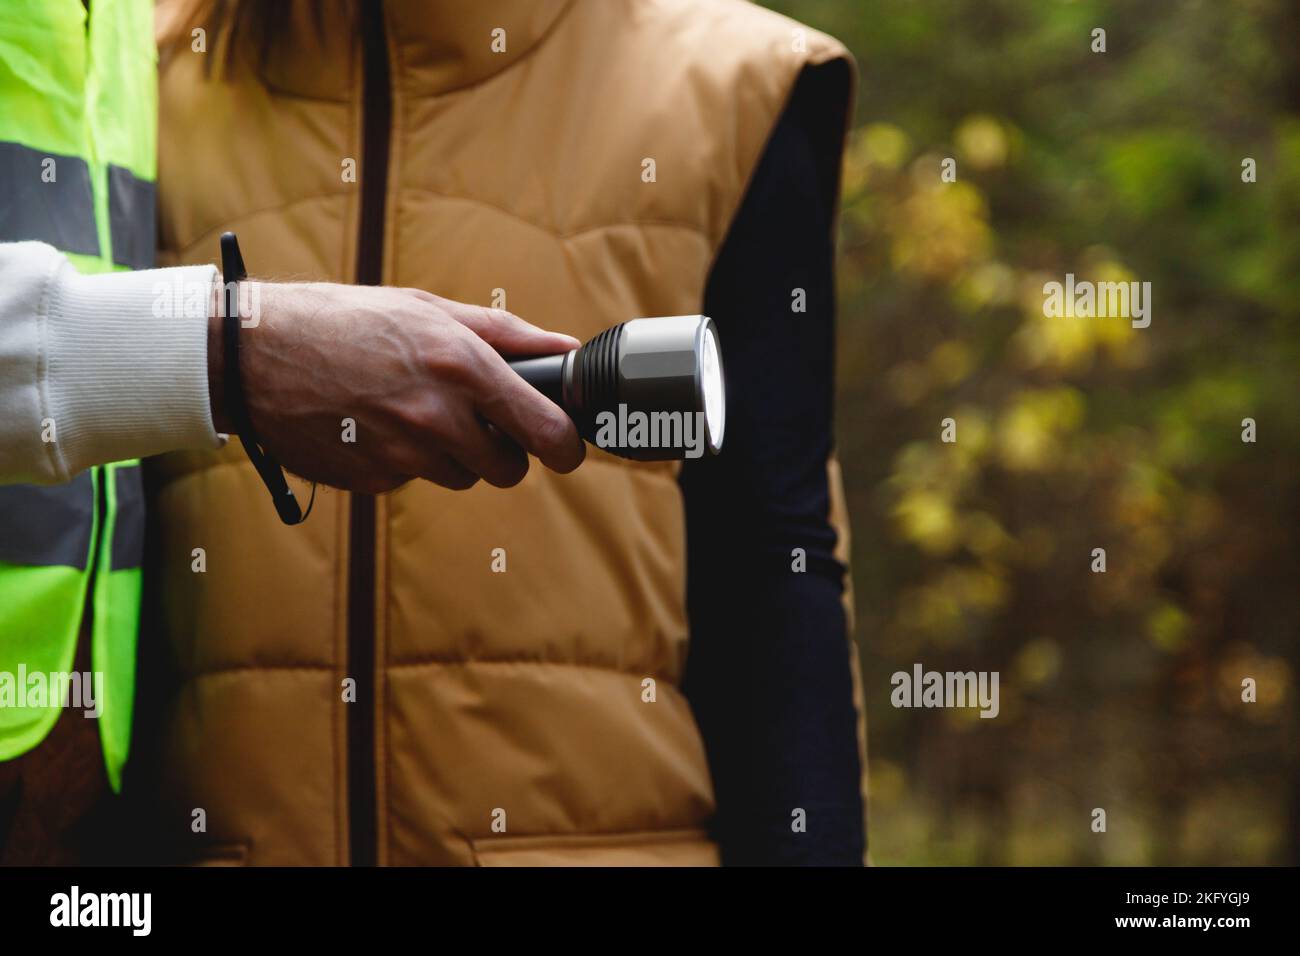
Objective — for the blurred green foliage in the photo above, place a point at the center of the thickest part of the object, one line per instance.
(1120, 690)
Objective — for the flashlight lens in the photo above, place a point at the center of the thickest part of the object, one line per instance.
(711, 383)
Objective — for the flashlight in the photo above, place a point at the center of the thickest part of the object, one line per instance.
(646, 389)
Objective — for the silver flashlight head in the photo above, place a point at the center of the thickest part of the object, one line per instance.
(646, 389)
(670, 366)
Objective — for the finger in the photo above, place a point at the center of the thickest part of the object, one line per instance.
(444, 470)
(489, 453)
(511, 335)
(530, 418)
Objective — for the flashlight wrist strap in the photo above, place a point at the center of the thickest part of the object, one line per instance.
(268, 468)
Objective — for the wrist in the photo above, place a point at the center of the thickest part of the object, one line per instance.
(216, 361)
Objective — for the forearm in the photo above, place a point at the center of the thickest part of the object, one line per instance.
(107, 367)
(98, 368)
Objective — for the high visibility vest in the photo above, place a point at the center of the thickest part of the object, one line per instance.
(78, 136)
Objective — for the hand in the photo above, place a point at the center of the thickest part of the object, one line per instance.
(421, 376)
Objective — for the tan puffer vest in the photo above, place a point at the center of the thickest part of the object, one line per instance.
(484, 699)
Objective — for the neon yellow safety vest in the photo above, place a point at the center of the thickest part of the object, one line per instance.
(78, 138)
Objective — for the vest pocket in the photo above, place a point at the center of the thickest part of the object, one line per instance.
(690, 847)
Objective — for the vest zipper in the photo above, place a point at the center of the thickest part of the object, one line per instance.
(363, 836)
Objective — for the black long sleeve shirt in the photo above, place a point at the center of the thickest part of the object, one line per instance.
(769, 673)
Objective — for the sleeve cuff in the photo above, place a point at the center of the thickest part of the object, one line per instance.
(127, 372)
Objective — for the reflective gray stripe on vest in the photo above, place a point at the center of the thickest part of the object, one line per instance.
(47, 524)
(128, 521)
(131, 218)
(61, 212)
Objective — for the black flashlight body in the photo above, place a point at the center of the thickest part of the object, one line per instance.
(546, 374)
(662, 373)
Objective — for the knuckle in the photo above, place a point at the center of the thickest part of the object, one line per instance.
(453, 358)
(413, 418)
(462, 348)
(420, 294)
(419, 427)
(439, 424)
(498, 319)
(552, 431)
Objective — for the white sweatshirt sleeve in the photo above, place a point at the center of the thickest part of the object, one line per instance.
(98, 368)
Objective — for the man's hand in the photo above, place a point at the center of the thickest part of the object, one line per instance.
(421, 376)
